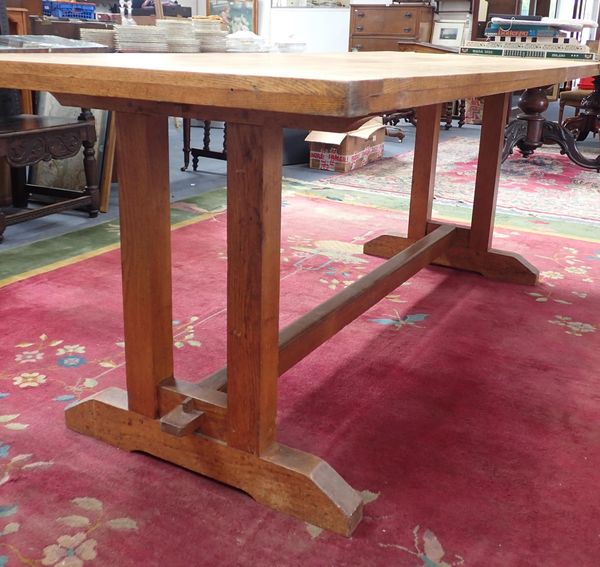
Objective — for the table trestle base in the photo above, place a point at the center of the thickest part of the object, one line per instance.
(186, 406)
(493, 264)
(285, 479)
(182, 420)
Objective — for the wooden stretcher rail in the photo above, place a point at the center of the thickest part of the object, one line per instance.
(304, 335)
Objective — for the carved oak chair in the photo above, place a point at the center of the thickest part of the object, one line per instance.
(27, 139)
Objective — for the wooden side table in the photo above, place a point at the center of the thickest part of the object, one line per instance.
(26, 140)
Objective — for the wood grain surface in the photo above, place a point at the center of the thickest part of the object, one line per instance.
(334, 84)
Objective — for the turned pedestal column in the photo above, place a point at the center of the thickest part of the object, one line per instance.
(530, 130)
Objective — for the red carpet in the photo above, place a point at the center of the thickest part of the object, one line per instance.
(546, 183)
(467, 410)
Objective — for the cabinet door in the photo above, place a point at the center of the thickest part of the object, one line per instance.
(390, 20)
(374, 44)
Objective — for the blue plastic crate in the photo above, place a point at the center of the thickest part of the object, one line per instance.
(76, 10)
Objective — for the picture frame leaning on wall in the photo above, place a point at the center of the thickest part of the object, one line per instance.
(238, 15)
(449, 33)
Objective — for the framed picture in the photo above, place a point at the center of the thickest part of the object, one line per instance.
(449, 33)
(238, 15)
(68, 173)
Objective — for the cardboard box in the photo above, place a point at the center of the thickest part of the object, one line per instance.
(346, 151)
(473, 110)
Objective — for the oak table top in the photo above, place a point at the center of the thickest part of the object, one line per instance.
(339, 84)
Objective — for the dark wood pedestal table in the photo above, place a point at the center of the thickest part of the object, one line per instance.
(530, 130)
(231, 435)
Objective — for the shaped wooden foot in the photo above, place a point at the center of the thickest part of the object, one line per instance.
(291, 481)
(493, 264)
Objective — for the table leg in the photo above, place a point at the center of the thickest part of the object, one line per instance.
(146, 255)
(475, 253)
(423, 181)
(488, 172)
(253, 243)
(187, 142)
(470, 249)
(227, 436)
(142, 161)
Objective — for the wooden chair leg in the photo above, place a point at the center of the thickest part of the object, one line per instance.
(561, 111)
(20, 194)
(448, 116)
(5, 191)
(2, 225)
(461, 112)
(91, 178)
(187, 142)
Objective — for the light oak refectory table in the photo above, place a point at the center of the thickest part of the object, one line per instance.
(224, 427)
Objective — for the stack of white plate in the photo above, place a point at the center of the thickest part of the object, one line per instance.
(101, 36)
(246, 42)
(206, 25)
(209, 34)
(213, 42)
(290, 46)
(141, 39)
(180, 35)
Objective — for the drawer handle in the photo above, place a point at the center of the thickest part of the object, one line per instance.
(360, 14)
(360, 28)
(407, 30)
(408, 15)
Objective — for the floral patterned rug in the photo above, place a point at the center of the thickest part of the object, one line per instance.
(545, 184)
(465, 411)
(41, 256)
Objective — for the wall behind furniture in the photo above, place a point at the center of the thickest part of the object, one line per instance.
(325, 30)
(198, 6)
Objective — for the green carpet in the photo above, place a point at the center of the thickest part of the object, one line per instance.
(18, 263)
